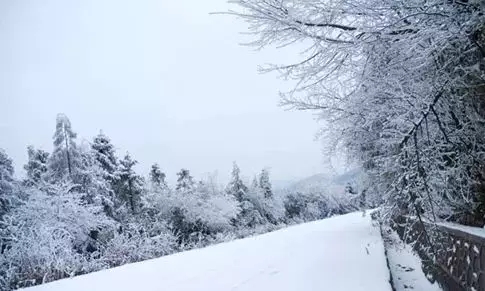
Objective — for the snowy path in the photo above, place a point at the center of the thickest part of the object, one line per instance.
(340, 253)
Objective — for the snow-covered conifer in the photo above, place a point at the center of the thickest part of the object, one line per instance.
(129, 183)
(36, 166)
(236, 186)
(6, 183)
(265, 184)
(185, 182)
(104, 152)
(64, 159)
(157, 177)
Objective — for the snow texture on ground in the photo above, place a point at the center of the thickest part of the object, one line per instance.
(405, 265)
(341, 253)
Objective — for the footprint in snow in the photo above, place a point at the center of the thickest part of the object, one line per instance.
(405, 268)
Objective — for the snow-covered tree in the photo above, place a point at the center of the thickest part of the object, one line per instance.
(48, 237)
(104, 152)
(65, 156)
(206, 211)
(399, 84)
(36, 166)
(100, 169)
(236, 186)
(255, 209)
(129, 183)
(295, 204)
(255, 183)
(265, 184)
(194, 218)
(6, 182)
(185, 182)
(315, 203)
(214, 206)
(157, 177)
(8, 199)
(92, 183)
(250, 215)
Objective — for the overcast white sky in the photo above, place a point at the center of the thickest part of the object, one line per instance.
(164, 80)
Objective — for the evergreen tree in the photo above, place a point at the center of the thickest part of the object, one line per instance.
(6, 200)
(251, 206)
(185, 182)
(6, 183)
(64, 158)
(36, 165)
(265, 184)
(129, 183)
(104, 168)
(254, 183)
(261, 197)
(157, 177)
(236, 186)
(92, 183)
(104, 152)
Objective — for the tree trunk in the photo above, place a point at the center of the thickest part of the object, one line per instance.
(67, 154)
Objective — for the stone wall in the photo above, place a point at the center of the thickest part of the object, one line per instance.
(455, 258)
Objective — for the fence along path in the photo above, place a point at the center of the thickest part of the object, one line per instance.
(454, 255)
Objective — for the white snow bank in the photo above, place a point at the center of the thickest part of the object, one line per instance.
(340, 253)
(405, 265)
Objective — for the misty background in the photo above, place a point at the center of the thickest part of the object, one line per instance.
(165, 80)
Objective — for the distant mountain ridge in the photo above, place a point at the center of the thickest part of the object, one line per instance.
(333, 184)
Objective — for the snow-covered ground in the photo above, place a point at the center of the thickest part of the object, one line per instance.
(340, 253)
(405, 265)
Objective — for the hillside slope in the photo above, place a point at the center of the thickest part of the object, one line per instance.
(340, 253)
(333, 185)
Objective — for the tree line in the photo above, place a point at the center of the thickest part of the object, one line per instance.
(81, 208)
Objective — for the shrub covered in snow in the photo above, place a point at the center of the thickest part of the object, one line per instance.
(313, 205)
(47, 237)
